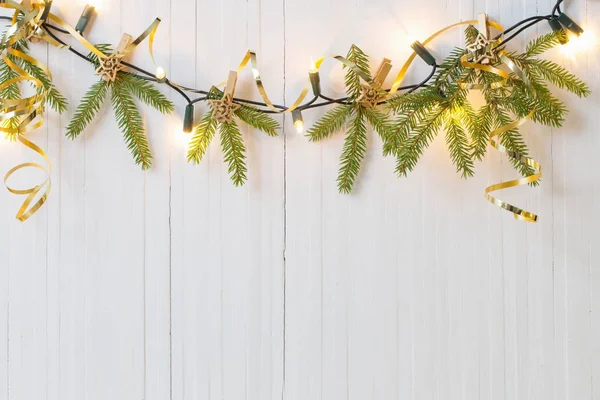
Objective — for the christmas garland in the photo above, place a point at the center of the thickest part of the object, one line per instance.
(407, 118)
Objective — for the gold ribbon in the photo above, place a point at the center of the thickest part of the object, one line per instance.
(251, 58)
(29, 109)
(519, 213)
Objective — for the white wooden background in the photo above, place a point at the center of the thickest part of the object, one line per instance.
(173, 284)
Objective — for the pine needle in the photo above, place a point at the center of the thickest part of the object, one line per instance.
(543, 43)
(205, 132)
(88, 108)
(379, 121)
(54, 98)
(416, 143)
(146, 92)
(560, 77)
(480, 137)
(333, 121)
(353, 81)
(9, 92)
(257, 119)
(458, 142)
(131, 124)
(355, 148)
(233, 148)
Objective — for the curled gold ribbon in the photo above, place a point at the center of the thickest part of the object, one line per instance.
(519, 213)
(29, 109)
(251, 58)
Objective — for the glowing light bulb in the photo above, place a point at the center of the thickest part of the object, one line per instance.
(313, 66)
(97, 4)
(298, 121)
(182, 138)
(161, 74)
(315, 79)
(578, 44)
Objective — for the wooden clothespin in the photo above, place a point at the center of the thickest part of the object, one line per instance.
(122, 46)
(111, 65)
(224, 109)
(230, 85)
(482, 25)
(382, 72)
(484, 30)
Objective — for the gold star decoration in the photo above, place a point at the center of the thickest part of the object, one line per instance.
(110, 66)
(370, 96)
(481, 51)
(223, 109)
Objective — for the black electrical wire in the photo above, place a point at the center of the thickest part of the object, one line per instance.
(149, 76)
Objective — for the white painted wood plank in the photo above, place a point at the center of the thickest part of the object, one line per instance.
(411, 288)
(66, 255)
(114, 237)
(157, 230)
(228, 242)
(27, 313)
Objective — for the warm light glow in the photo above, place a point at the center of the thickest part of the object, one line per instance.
(182, 139)
(97, 4)
(578, 44)
(313, 66)
(161, 73)
(299, 125)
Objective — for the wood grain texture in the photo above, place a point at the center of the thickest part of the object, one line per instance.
(174, 284)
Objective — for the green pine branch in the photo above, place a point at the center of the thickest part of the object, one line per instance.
(457, 121)
(232, 145)
(513, 141)
(424, 98)
(471, 34)
(204, 134)
(11, 92)
(257, 119)
(418, 140)
(54, 98)
(147, 92)
(352, 80)
(355, 148)
(543, 43)
(131, 124)
(559, 76)
(379, 121)
(88, 108)
(333, 121)
(483, 124)
(105, 48)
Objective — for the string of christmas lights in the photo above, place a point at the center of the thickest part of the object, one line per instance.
(446, 82)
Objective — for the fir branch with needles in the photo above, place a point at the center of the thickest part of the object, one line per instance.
(354, 115)
(232, 141)
(54, 98)
(421, 118)
(444, 105)
(124, 91)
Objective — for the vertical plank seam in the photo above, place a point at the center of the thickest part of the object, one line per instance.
(284, 333)
(170, 229)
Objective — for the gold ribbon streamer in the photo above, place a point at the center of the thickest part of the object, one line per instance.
(251, 58)
(30, 108)
(27, 209)
(519, 213)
